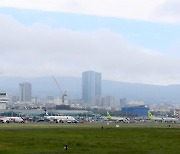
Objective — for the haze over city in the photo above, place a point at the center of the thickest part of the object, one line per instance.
(130, 41)
(89, 76)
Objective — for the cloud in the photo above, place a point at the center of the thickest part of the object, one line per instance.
(146, 10)
(168, 11)
(38, 50)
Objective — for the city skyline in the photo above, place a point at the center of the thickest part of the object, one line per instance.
(129, 41)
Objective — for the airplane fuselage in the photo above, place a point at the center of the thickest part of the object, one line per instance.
(62, 119)
(11, 119)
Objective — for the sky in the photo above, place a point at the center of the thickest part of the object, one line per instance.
(130, 41)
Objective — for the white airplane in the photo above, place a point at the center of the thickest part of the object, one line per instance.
(4, 119)
(61, 119)
(117, 119)
(170, 119)
(156, 119)
(162, 119)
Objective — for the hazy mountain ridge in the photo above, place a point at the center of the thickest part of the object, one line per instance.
(45, 86)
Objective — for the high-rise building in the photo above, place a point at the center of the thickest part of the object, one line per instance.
(25, 92)
(123, 102)
(91, 86)
(98, 84)
(108, 101)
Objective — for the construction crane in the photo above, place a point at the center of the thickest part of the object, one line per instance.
(63, 93)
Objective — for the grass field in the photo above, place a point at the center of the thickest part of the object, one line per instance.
(89, 138)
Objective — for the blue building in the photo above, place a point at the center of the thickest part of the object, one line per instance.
(135, 111)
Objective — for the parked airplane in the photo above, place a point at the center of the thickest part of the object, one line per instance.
(162, 119)
(117, 119)
(4, 119)
(61, 119)
(156, 119)
(170, 119)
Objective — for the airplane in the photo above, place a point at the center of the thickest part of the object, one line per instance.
(4, 119)
(170, 119)
(60, 119)
(156, 119)
(162, 119)
(117, 119)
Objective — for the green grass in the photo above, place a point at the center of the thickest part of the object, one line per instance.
(89, 138)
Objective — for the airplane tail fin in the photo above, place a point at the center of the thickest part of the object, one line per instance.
(25, 117)
(150, 115)
(108, 115)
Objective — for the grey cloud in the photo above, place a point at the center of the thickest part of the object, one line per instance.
(171, 7)
(168, 11)
(39, 50)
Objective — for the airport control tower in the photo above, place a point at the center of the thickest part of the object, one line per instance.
(4, 99)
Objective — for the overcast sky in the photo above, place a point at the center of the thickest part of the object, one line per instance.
(126, 40)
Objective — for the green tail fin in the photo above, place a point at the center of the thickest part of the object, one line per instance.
(150, 115)
(108, 115)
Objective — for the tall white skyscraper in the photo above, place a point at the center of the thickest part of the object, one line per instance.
(25, 92)
(91, 85)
